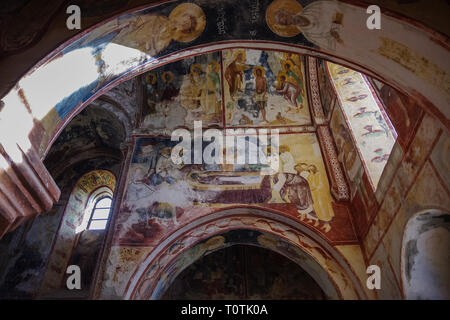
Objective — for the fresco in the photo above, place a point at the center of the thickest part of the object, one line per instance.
(264, 88)
(85, 255)
(159, 271)
(100, 8)
(319, 22)
(182, 92)
(347, 152)
(402, 110)
(244, 272)
(370, 128)
(18, 35)
(161, 196)
(327, 94)
(73, 217)
(122, 46)
(23, 255)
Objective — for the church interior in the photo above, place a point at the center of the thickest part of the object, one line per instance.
(321, 171)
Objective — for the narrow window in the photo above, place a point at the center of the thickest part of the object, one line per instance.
(100, 214)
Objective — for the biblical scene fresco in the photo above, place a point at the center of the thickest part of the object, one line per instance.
(128, 42)
(161, 195)
(264, 88)
(369, 126)
(182, 92)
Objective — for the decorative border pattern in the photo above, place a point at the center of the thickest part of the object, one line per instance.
(319, 117)
(339, 182)
(145, 278)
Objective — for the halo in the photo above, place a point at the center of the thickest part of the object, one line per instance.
(290, 6)
(215, 65)
(152, 76)
(183, 11)
(236, 53)
(194, 66)
(170, 74)
(280, 75)
(263, 71)
(284, 63)
(284, 147)
(285, 54)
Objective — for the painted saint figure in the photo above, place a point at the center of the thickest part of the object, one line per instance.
(214, 90)
(260, 95)
(193, 91)
(321, 198)
(294, 78)
(234, 74)
(288, 90)
(320, 22)
(296, 190)
(169, 92)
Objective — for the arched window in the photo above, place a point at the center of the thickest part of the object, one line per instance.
(88, 208)
(100, 214)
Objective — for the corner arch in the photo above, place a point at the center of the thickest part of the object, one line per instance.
(308, 249)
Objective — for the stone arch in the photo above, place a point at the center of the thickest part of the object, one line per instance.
(425, 259)
(316, 256)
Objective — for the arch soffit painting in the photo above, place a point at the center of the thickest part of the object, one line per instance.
(265, 240)
(339, 273)
(427, 81)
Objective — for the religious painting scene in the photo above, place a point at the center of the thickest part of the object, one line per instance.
(161, 195)
(180, 93)
(264, 88)
(201, 150)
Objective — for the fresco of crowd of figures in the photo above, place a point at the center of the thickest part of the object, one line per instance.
(255, 88)
(138, 39)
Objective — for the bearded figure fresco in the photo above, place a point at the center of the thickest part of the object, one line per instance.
(320, 22)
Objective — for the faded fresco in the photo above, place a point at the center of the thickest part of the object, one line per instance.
(368, 124)
(264, 88)
(182, 92)
(402, 110)
(137, 40)
(327, 95)
(73, 217)
(347, 152)
(161, 195)
(235, 273)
